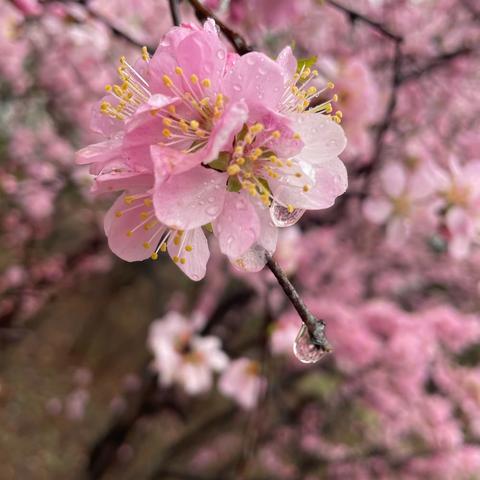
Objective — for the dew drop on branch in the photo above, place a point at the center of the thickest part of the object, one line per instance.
(304, 349)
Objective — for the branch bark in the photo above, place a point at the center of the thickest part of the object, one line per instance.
(315, 326)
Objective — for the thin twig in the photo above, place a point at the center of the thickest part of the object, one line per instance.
(174, 12)
(354, 16)
(315, 327)
(238, 42)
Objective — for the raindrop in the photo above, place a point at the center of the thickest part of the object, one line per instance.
(237, 87)
(253, 260)
(250, 60)
(262, 71)
(211, 199)
(304, 349)
(212, 210)
(229, 240)
(281, 217)
(220, 54)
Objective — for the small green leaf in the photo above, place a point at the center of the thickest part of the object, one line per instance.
(306, 62)
(221, 162)
(234, 184)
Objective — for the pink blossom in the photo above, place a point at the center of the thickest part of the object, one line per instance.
(242, 382)
(183, 357)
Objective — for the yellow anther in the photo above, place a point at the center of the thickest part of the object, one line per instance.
(233, 169)
(330, 85)
(312, 90)
(167, 81)
(171, 108)
(248, 139)
(129, 233)
(179, 70)
(206, 83)
(118, 213)
(166, 132)
(167, 122)
(339, 113)
(328, 108)
(108, 88)
(306, 188)
(315, 73)
(188, 248)
(146, 245)
(183, 126)
(306, 73)
(296, 136)
(176, 240)
(154, 112)
(335, 98)
(289, 163)
(257, 128)
(104, 106)
(239, 150)
(147, 202)
(163, 247)
(276, 134)
(294, 90)
(201, 133)
(194, 125)
(240, 161)
(183, 261)
(273, 158)
(205, 101)
(290, 208)
(298, 174)
(129, 199)
(175, 259)
(154, 256)
(145, 54)
(193, 78)
(219, 100)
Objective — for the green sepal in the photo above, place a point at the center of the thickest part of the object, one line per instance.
(221, 162)
(233, 184)
(306, 62)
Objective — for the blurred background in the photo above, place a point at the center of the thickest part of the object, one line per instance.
(393, 267)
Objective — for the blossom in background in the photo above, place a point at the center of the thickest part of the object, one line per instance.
(183, 357)
(242, 381)
(405, 198)
(459, 189)
(199, 137)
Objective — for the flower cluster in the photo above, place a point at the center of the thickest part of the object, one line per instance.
(202, 139)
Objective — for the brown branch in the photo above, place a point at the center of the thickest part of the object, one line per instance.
(316, 327)
(174, 12)
(355, 16)
(238, 42)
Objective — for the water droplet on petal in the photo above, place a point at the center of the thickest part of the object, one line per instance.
(237, 87)
(253, 260)
(250, 61)
(211, 199)
(220, 54)
(304, 349)
(240, 205)
(212, 210)
(281, 217)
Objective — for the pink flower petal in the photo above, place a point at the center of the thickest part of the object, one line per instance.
(130, 247)
(196, 260)
(190, 199)
(238, 226)
(322, 137)
(255, 78)
(330, 181)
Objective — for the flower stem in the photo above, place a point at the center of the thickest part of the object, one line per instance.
(315, 326)
(174, 12)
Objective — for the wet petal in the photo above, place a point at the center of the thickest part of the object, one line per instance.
(190, 199)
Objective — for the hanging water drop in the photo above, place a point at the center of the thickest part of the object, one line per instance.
(282, 217)
(304, 349)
